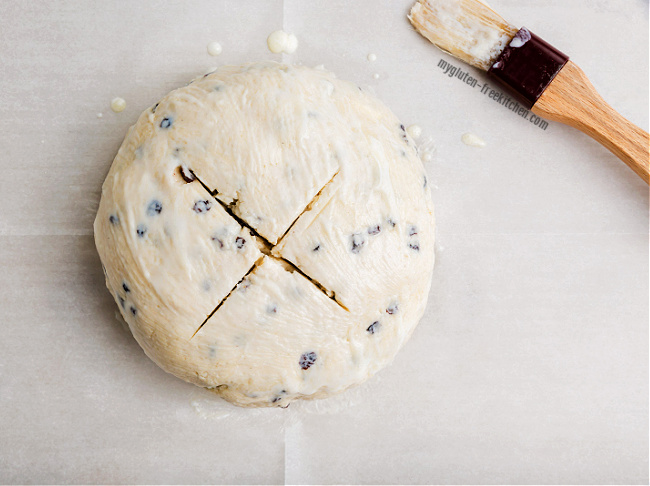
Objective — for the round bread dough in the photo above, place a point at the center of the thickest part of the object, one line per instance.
(267, 232)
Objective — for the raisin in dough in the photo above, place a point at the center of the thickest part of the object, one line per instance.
(267, 232)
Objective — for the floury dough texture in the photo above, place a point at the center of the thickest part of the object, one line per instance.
(267, 232)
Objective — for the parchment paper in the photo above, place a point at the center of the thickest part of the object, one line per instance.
(531, 363)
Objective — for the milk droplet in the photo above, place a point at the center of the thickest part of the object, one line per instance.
(414, 131)
(291, 45)
(472, 140)
(214, 48)
(276, 41)
(118, 104)
(520, 38)
(279, 41)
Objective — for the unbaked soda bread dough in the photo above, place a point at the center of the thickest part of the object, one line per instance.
(267, 232)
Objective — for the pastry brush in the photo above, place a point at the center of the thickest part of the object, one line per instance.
(544, 78)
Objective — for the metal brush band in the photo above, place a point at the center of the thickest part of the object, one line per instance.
(527, 65)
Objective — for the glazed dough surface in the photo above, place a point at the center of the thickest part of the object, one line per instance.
(267, 232)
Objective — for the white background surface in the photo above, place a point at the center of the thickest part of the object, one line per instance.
(531, 364)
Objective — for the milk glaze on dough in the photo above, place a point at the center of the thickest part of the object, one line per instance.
(267, 232)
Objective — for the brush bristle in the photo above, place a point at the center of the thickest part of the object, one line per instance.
(466, 29)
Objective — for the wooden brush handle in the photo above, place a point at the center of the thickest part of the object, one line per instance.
(571, 99)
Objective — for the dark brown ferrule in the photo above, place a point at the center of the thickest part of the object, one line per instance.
(528, 64)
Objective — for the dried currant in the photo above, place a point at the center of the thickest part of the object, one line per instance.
(154, 208)
(307, 359)
(372, 328)
(202, 206)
